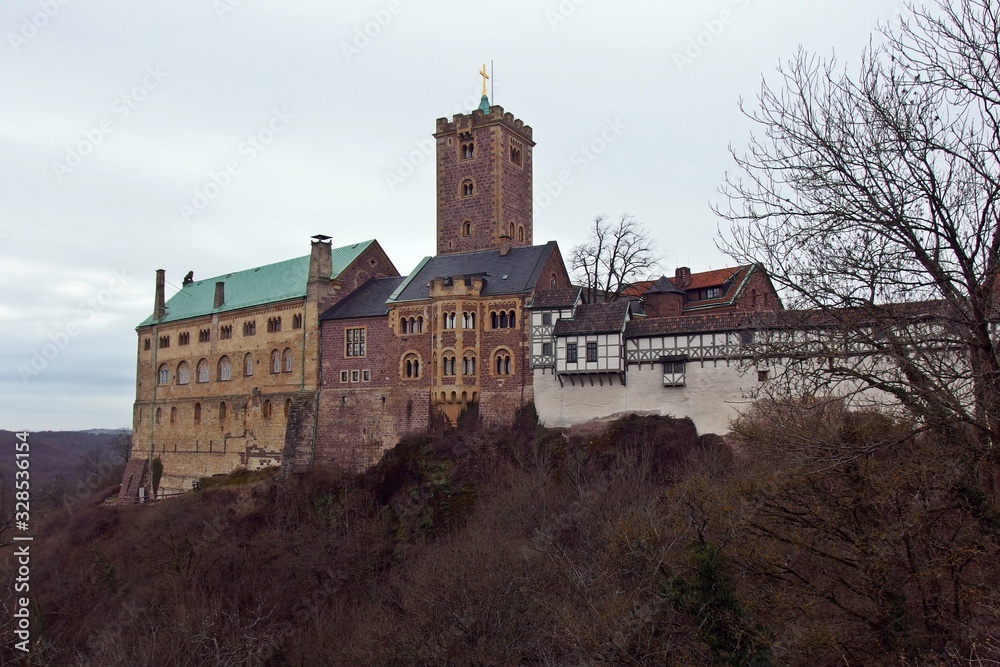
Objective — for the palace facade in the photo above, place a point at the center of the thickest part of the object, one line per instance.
(331, 358)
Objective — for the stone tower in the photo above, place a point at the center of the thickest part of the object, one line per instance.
(483, 181)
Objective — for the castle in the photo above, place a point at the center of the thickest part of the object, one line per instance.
(332, 357)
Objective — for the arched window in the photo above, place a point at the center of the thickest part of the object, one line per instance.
(468, 365)
(173, 415)
(511, 231)
(403, 325)
(275, 361)
(511, 320)
(449, 365)
(467, 228)
(297, 321)
(159, 415)
(247, 365)
(420, 324)
(411, 366)
(520, 234)
(503, 363)
(203, 370)
(267, 409)
(503, 319)
(468, 150)
(467, 188)
(183, 373)
(163, 376)
(552, 281)
(225, 369)
(197, 413)
(494, 321)
(288, 406)
(287, 360)
(413, 325)
(222, 412)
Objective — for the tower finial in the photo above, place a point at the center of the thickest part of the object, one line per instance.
(484, 102)
(485, 76)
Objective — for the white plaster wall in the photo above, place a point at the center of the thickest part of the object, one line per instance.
(713, 395)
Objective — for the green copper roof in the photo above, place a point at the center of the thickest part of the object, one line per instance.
(253, 287)
(484, 104)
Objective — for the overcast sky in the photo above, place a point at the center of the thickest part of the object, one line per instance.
(218, 135)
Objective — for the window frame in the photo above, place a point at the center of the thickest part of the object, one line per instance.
(357, 348)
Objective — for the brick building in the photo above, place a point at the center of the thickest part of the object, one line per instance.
(333, 357)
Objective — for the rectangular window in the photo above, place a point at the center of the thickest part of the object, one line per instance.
(354, 376)
(366, 376)
(546, 319)
(592, 351)
(762, 376)
(673, 373)
(355, 341)
(571, 353)
(343, 376)
(547, 349)
(713, 293)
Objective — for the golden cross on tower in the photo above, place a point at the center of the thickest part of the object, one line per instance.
(485, 76)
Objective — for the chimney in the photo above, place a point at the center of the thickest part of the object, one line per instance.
(682, 277)
(505, 245)
(320, 288)
(160, 303)
(220, 294)
(320, 258)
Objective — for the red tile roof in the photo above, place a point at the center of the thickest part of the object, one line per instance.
(716, 277)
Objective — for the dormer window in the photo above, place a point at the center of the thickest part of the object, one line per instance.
(713, 293)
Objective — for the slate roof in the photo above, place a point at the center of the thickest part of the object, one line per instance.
(664, 286)
(270, 283)
(594, 318)
(522, 267)
(556, 298)
(366, 301)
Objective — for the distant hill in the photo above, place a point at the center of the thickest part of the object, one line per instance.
(55, 454)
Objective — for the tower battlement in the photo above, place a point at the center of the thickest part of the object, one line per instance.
(476, 118)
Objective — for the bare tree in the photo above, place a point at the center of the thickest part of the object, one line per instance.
(121, 444)
(616, 254)
(864, 192)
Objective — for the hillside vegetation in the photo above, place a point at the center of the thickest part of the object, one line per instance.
(817, 537)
